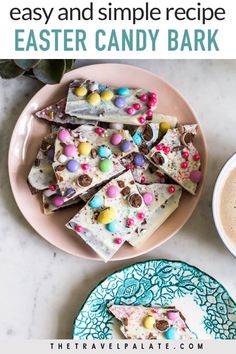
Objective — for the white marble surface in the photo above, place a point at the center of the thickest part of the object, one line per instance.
(41, 287)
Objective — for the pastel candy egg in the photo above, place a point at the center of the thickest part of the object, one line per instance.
(112, 192)
(93, 98)
(84, 148)
(105, 165)
(148, 198)
(139, 159)
(173, 315)
(96, 202)
(103, 151)
(113, 226)
(137, 138)
(63, 135)
(62, 158)
(50, 154)
(80, 91)
(122, 91)
(101, 87)
(125, 146)
(57, 201)
(70, 150)
(149, 322)
(72, 166)
(164, 126)
(116, 139)
(106, 216)
(107, 95)
(195, 176)
(117, 126)
(93, 86)
(171, 333)
(120, 102)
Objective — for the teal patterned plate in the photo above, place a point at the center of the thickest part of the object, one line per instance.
(210, 311)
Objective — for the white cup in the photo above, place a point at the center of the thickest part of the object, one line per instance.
(216, 203)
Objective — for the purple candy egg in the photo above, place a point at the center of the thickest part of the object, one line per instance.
(50, 154)
(139, 159)
(125, 146)
(195, 176)
(120, 102)
(72, 166)
(115, 139)
(63, 135)
(57, 201)
(70, 150)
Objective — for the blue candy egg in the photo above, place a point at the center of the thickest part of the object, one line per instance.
(103, 151)
(122, 91)
(171, 333)
(96, 202)
(113, 226)
(137, 138)
(101, 87)
(120, 102)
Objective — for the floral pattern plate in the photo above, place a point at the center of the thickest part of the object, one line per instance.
(210, 311)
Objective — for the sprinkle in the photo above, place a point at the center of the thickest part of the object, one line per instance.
(171, 189)
(78, 228)
(118, 240)
(52, 188)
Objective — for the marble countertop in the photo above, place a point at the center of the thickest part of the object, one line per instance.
(42, 288)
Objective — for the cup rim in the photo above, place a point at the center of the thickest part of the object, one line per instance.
(221, 178)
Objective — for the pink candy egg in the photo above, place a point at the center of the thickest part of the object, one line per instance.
(116, 139)
(173, 315)
(70, 150)
(195, 176)
(57, 201)
(148, 198)
(112, 192)
(63, 135)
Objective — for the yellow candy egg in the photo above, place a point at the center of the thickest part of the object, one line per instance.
(107, 95)
(164, 126)
(51, 115)
(108, 215)
(84, 148)
(94, 98)
(80, 91)
(149, 322)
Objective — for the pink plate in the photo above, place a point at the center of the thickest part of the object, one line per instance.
(29, 132)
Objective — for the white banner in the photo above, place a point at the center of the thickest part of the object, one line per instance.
(103, 29)
(116, 347)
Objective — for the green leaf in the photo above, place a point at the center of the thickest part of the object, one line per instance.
(69, 64)
(26, 64)
(50, 71)
(9, 70)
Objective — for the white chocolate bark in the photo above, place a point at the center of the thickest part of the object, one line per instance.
(55, 113)
(146, 174)
(171, 161)
(133, 322)
(49, 207)
(164, 204)
(105, 111)
(95, 233)
(41, 175)
(67, 179)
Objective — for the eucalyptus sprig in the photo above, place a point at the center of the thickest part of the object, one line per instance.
(48, 71)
